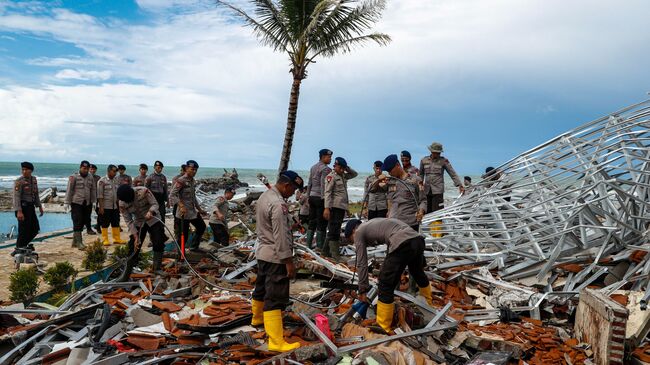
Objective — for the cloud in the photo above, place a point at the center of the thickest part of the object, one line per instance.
(83, 75)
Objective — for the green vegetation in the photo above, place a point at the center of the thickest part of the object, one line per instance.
(23, 284)
(59, 275)
(95, 257)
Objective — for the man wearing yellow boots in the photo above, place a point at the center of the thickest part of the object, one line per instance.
(108, 206)
(405, 249)
(274, 255)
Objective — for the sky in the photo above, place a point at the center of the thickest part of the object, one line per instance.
(135, 81)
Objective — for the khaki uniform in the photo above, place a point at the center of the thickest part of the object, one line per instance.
(81, 190)
(157, 183)
(336, 189)
(221, 205)
(25, 199)
(134, 212)
(432, 174)
(124, 179)
(107, 190)
(184, 194)
(374, 194)
(406, 199)
(274, 238)
(317, 175)
(25, 190)
(139, 180)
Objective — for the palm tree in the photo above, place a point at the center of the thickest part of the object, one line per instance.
(307, 29)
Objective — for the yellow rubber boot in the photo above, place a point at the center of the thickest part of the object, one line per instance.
(426, 293)
(116, 236)
(436, 227)
(105, 237)
(258, 313)
(385, 315)
(273, 328)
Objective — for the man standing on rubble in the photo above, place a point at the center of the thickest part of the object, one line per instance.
(80, 195)
(142, 177)
(219, 217)
(123, 178)
(432, 169)
(405, 249)
(375, 201)
(157, 183)
(177, 226)
(336, 205)
(140, 211)
(317, 174)
(274, 255)
(405, 193)
(98, 227)
(108, 206)
(25, 201)
(189, 210)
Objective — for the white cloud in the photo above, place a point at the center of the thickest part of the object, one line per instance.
(83, 75)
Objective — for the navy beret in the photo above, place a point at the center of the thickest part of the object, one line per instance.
(125, 193)
(406, 154)
(121, 167)
(350, 226)
(158, 163)
(144, 166)
(378, 163)
(84, 163)
(294, 177)
(192, 163)
(93, 166)
(389, 162)
(27, 165)
(324, 152)
(341, 162)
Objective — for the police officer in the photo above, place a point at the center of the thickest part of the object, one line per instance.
(316, 185)
(140, 211)
(98, 226)
(432, 170)
(302, 196)
(157, 183)
(274, 255)
(404, 192)
(123, 178)
(81, 193)
(25, 201)
(177, 227)
(219, 217)
(189, 210)
(336, 204)
(142, 177)
(405, 249)
(375, 200)
(405, 157)
(108, 205)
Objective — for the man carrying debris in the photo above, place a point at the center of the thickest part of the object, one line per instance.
(274, 255)
(219, 218)
(405, 249)
(80, 195)
(140, 212)
(142, 177)
(407, 200)
(25, 201)
(189, 210)
(157, 183)
(109, 209)
(317, 175)
(375, 201)
(432, 170)
(123, 178)
(405, 157)
(98, 225)
(336, 205)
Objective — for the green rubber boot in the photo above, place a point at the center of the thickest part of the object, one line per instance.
(335, 250)
(320, 239)
(309, 238)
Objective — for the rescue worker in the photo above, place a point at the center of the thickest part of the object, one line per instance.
(375, 200)
(189, 210)
(140, 211)
(80, 195)
(98, 226)
(25, 201)
(405, 157)
(404, 192)
(142, 177)
(157, 183)
(432, 169)
(405, 249)
(274, 254)
(315, 187)
(177, 227)
(219, 217)
(123, 178)
(336, 205)
(109, 209)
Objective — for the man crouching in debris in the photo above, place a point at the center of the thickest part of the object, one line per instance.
(274, 255)
(405, 248)
(139, 209)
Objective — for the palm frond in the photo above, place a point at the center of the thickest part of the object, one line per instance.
(349, 44)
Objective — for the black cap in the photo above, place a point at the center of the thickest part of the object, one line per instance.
(341, 162)
(84, 163)
(121, 167)
(489, 169)
(144, 166)
(158, 163)
(27, 165)
(389, 162)
(378, 163)
(406, 154)
(350, 226)
(93, 166)
(294, 177)
(229, 189)
(324, 152)
(192, 163)
(125, 193)
(110, 167)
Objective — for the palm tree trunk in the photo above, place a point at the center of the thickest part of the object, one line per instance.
(291, 124)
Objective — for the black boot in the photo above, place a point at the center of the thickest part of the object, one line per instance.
(157, 262)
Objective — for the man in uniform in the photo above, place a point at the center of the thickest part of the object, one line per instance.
(405, 248)
(432, 170)
(317, 175)
(219, 218)
(25, 201)
(108, 205)
(189, 210)
(157, 183)
(274, 255)
(405, 193)
(140, 179)
(336, 204)
(177, 227)
(405, 157)
(375, 201)
(98, 226)
(123, 178)
(140, 212)
(302, 196)
(81, 193)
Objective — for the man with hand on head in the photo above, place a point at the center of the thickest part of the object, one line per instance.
(404, 192)
(25, 201)
(336, 205)
(375, 201)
